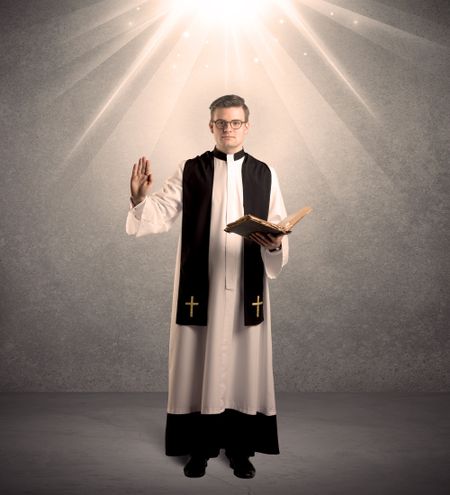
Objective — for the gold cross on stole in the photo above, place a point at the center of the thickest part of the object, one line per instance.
(257, 304)
(192, 304)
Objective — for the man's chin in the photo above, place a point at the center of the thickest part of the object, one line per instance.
(229, 145)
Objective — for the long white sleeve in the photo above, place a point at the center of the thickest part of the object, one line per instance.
(274, 261)
(159, 210)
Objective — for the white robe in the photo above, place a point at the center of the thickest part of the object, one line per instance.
(225, 365)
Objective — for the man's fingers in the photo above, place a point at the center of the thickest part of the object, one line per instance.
(268, 241)
(257, 236)
(143, 167)
(260, 239)
(275, 237)
(141, 177)
(147, 167)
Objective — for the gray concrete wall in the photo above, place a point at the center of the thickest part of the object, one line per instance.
(363, 302)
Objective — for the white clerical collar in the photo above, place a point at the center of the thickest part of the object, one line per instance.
(223, 156)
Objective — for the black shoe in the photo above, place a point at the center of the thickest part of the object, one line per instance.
(196, 466)
(242, 467)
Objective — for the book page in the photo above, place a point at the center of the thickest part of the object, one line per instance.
(294, 218)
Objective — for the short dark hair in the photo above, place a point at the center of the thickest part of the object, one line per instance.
(230, 101)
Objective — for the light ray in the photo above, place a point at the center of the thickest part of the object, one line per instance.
(207, 11)
(230, 55)
(149, 49)
(166, 83)
(304, 28)
(237, 52)
(419, 49)
(330, 142)
(77, 46)
(59, 87)
(95, 16)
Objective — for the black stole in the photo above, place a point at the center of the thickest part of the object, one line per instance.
(198, 176)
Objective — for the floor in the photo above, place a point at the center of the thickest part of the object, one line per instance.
(331, 443)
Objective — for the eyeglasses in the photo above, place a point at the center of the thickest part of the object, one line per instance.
(234, 124)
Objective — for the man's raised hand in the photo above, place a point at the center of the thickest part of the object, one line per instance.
(141, 180)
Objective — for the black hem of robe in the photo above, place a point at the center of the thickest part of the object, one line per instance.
(233, 430)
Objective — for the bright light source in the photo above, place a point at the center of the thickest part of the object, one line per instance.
(218, 11)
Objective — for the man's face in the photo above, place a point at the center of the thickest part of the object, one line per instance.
(227, 139)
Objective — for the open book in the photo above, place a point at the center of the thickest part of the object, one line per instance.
(248, 224)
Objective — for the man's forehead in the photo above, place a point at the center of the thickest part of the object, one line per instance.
(229, 113)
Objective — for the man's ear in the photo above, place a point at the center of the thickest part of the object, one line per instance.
(211, 127)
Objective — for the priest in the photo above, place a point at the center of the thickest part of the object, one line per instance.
(221, 385)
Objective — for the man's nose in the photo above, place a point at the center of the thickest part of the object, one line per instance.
(226, 125)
